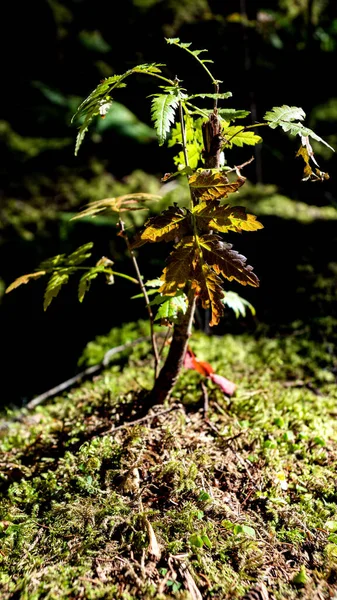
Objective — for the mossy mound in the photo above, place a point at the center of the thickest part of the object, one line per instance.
(181, 504)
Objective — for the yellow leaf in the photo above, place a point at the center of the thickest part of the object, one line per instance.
(207, 286)
(24, 279)
(167, 226)
(209, 185)
(180, 265)
(210, 215)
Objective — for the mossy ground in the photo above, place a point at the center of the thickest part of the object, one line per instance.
(244, 494)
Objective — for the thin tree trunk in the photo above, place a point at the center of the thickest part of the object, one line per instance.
(182, 331)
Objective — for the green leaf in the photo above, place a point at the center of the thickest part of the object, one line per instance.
(284, 116)
(172, 307)
(80, 255)
(57, 280)
(223, 96)
(238, 304)
(99, 102)
(206, 540)
(194, 141)
(237, 136)
(196, 540)
(301, 577)
(230, 114)
(86, 280)
(163, 114)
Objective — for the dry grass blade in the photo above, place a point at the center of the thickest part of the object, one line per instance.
(128, 202)
(153, 547)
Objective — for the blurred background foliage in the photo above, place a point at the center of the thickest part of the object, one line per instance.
(267, 53)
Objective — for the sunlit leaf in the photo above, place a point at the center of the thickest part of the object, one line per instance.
(226, 261)
(167, 226)
(180, 265)
(172, 307)
(284, 116)
(209, 185)
(231, 114)
(208, 287)
(237, 136)
(57, 280)
(80, 255)
(238, 304)
(24, 279)
(211, 215)
(99, 102)
(163, 111)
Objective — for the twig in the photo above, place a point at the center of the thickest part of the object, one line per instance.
(89, 371)
(205, 398)
(183, 133)
(147, 301)
(239, 167)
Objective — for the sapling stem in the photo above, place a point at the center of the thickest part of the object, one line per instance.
(146, 298)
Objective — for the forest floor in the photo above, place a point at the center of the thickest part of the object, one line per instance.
(193, 502)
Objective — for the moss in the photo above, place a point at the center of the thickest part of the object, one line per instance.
(239, 497)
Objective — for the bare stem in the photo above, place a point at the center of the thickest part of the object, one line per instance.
(183, 133)
(146, 298)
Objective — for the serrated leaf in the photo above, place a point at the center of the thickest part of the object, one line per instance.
(128, 202)
(238, 304)
(283, 114)
(223, 96)
(163, 114)
(91, 274)
(169, 225)
(209, 185)
(194, 141)
(24, 279)
(230, 114)
(172, 308)
(210, 215)
(57, 280)
(226, 261)
(80, 255)
(237, 136)
(53, 262)
(99, 101)
(208, 287)
(180, 265)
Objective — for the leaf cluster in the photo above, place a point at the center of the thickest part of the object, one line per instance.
(61, 267)
(200, 257)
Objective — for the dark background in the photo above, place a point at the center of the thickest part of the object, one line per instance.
(53, 53)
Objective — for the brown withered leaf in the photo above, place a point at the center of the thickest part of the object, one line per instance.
(226, 261)
(180, 266)
(306, 153)
(128, 202)
(24, 279)
(169, 225)
(209, 185)
(207, 286)
(210, 215)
